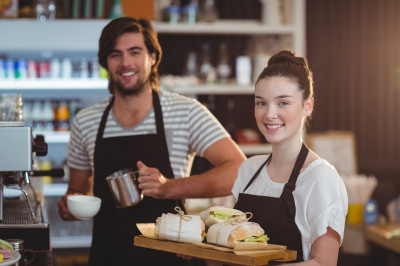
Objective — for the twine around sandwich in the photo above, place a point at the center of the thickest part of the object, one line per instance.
(182, 217)
(239, 219)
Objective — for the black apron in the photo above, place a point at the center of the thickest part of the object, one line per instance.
(277, 215)
(114, 229)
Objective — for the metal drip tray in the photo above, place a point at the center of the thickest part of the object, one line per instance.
(18, 224)
(16, 213)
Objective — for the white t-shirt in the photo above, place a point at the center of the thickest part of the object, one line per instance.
(190, 129)
(320, 197)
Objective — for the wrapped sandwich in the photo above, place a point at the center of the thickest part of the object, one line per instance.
(241, 235)
(219, 214)
(180, 227)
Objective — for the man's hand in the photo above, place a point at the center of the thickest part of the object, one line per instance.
(63, 207)
(152, 182)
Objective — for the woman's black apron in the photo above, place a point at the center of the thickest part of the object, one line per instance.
(114, 229)
(277, 215)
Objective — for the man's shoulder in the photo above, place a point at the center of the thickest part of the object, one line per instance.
(93, 110)
(168, 97)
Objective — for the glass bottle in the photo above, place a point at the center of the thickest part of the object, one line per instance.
(209, 12)
(223, 68)
(207, 71)
(191, 64)
(62, 117)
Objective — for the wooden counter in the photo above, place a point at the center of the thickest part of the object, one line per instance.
(261, 257)
(385, 235)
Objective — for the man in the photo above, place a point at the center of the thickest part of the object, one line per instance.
(145, 129)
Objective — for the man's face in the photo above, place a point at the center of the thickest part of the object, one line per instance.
(130, 63)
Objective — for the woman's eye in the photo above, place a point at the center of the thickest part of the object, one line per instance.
(114, 55)
(260, 103)
(283, 103)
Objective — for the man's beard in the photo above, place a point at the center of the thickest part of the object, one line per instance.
(136, 89)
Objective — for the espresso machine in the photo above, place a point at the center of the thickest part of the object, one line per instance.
(22, 217)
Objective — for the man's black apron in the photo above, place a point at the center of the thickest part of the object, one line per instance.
(277, 215)
(114, 229)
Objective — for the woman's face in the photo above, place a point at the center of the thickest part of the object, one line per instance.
(280, 109)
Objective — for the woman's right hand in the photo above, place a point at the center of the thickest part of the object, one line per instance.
(63, 208)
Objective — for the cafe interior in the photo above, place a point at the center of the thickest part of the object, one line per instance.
(212, 51)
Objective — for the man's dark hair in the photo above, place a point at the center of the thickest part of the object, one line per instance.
(122, 25)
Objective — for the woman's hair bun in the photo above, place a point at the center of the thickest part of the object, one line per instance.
(287, 56)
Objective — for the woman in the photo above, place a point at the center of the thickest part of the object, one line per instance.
(297, 197)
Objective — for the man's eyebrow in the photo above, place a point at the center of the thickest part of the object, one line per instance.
(129, 49)
(135, 48)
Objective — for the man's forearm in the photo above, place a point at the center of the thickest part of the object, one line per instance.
(216, 182)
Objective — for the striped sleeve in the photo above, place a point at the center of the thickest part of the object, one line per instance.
(204, 128)
(83, 136)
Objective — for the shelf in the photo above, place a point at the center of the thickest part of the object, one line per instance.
(217, 89)
(53, 137)
(54, 84)
(231, 27)
(101, 84)
(63, 137)
(83, 34)
(255, 149)
(71, 241)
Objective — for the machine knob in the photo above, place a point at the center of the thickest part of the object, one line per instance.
(40, 146)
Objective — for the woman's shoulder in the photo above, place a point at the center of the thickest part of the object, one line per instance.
(254, 162)
(321, 172)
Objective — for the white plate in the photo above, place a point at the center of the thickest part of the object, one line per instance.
(14, 259)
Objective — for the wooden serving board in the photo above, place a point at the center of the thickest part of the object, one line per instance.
(257, 257)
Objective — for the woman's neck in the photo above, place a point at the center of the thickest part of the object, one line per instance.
(283, 159)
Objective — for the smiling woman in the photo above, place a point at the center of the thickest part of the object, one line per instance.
(291, 182)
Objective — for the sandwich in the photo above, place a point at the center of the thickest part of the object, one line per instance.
(242, 235)
(6, 249)
(181, 228)
(219, 214)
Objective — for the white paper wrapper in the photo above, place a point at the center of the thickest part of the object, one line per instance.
(189, 231)
(219, 233)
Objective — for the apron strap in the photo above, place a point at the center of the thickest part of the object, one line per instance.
(103, 121)
(291, 184)
(158, 115)
(257, 173)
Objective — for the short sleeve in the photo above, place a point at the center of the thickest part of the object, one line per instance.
(77, 156)
(204, 128)
(327, 205)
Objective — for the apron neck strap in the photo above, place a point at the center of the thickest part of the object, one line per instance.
(157, 113)
(301, 158)
(291, 184)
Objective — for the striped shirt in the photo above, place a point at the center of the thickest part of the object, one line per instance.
(190, 129)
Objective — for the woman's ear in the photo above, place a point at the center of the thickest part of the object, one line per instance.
(309, 106)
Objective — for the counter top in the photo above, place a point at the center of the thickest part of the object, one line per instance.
(385, 235)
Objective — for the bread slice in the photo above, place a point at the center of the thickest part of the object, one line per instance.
(244, 231)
